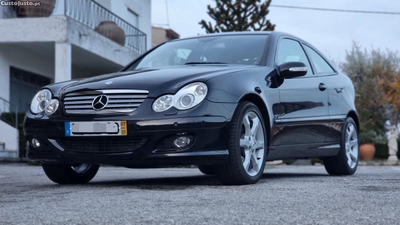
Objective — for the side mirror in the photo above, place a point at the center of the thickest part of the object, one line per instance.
(292, 69)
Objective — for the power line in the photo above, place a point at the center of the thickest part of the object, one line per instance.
(166, 8)
(336, 10)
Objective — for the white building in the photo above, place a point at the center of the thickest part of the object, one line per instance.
(160, 35)
(35, 51)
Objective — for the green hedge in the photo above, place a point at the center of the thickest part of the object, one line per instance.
(10, 119)
(382, 150)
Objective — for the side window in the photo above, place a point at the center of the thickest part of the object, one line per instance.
(319, 63)
(291, 51)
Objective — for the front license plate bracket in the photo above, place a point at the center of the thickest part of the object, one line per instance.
(98, 128)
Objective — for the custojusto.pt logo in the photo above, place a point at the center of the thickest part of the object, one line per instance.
(20, 3)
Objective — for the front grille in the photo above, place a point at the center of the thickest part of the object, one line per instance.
(101, 145)
(119, 101)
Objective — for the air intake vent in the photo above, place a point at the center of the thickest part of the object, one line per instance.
(102, 145)
(104, 101)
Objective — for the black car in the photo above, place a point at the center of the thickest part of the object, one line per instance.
(227, 103)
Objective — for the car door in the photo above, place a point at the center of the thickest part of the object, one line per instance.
(338, 106)
(302, 112)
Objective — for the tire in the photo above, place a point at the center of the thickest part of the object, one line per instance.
(207, 170)
(346, 162)
(247, 147)
(67, 174)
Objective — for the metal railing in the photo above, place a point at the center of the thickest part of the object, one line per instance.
(8, 113)
(91, 14)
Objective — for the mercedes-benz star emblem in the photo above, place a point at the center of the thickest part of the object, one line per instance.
(100, 102)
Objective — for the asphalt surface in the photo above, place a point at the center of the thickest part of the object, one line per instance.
(285, 195)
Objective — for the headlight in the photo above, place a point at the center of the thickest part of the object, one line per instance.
(186, 98)
(163, 103)
(52, 107)
(43, 102)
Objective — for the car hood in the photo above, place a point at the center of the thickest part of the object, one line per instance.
(156, 81)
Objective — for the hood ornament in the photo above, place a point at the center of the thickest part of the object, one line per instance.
(108, 82)
(100, 102)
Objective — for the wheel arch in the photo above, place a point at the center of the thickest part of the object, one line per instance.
(259, 102)
(352, 114)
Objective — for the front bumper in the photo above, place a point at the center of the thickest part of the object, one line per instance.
(209, 144)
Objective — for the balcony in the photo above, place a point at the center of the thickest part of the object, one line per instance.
(93, 15)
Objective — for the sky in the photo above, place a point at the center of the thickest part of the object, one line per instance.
(331, 32)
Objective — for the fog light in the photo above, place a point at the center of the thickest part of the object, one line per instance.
(182, 142)
(35, 143)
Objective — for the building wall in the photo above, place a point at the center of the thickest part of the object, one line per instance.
(4, 79)
(9, 136)
(158, 36)
(24, 59)
(7, 12)
(105, 3)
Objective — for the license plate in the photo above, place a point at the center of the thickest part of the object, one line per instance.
(106, 128)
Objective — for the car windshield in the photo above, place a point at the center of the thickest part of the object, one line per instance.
(228, 49)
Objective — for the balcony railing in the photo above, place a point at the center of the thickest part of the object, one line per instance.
(91, 14)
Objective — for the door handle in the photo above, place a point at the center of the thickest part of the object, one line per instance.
(339, 90)
(322, 87)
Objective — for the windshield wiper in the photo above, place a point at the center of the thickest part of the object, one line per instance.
(192, 63)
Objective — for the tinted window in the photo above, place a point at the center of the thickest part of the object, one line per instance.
(319, 63)
(234, 49)
(291, 51)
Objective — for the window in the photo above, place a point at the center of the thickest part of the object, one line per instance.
(133, 18)
(319, 63)
(291, 51)
(230, 49)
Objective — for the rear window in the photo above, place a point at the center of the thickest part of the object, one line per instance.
(319, 63)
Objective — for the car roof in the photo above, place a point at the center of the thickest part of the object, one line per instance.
(233, 33)
(273, 34)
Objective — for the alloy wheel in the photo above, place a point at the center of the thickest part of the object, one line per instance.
(351, 145)
(81, 168)
(252, 143)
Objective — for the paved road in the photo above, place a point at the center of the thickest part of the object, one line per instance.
(285, 195)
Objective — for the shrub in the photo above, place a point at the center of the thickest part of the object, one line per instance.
(382, 150)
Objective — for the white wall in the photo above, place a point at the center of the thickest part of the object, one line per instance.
(4, 78)
(59, 9)
(145, 19)
(9, 135)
